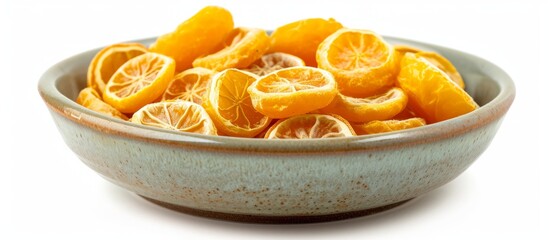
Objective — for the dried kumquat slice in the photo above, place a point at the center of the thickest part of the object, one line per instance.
(108, 60)
(308, 126)
(189, 85)
(301, 38)
(89, 98)
(431, 92)
(445, 65)
(197, 36)
(362, 62)
(293, 91)
(377, 107)
(435, 58)
(377, 126)
(176, 115)
(241, 47)
(274, 61)
(139, 81)
(229, 105)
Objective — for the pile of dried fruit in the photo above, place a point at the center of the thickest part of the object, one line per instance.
(311, 78)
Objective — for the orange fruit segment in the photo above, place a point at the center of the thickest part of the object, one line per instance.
(139, 81)
(89, 98)
(301, 38)
(432, 94)
(229, 105)
(189, 85)
(308, 126)
(445, 65)
(435, 58)
(241, 47)
(292, 91)
(108, 60)
(377, 126)
(274, 61)
(362, 62)
(176, 115)
(197, 36)
(377, 107)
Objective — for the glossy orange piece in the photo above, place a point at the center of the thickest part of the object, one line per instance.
(362, 63)
(241, 47)
(301, 38)
(432, 94)
(89, 98)
(377, 107)
(229, 105)
(377, 126)
(292, 91)
(140, 81)
(108, 60)
(189, 85)
(195, 37)
(274, 61)
(308, 126)
(176, 115)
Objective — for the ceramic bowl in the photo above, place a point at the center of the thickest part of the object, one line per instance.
(257, 180)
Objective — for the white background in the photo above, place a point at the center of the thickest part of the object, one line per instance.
(47, 192)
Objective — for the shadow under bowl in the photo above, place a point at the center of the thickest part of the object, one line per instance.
(279, 181)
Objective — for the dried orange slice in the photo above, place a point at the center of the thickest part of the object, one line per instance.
(432, 94)
(197, 36)
(108, 60)
(293, 91)
(188, 85)
(301, 38)
(176, 115)
(377, 107)
(402, 49)
(445, 65)
(229, 105)
(274, 61)
(139, 81)
(436, 59)
(360, 60)
(388, 125)
(309, 126)
(89, 98)
(241, 47)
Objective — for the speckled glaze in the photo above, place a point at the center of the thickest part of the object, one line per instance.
(261, 180)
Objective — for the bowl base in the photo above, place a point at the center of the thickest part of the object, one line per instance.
(245, 218)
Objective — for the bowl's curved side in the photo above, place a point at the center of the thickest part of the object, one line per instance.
(274, 184)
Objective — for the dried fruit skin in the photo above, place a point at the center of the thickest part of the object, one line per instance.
(139, 81)
(445, 65)
(176, 115)
(362, 63)
(229, 105)
(108, 60)
(189, 85)
(301, 38)
(377, 126)
(292, 91)
(378, 107)
(195, 37)
(308, 126)
(241, 47)
(271, 62)
(431, 93)
(435, 58)
(89, 98)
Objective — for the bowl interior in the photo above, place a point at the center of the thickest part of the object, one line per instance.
(490, 86)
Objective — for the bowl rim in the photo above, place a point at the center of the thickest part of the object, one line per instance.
(485, 114)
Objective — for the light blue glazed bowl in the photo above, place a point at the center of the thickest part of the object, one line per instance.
(274, 181)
